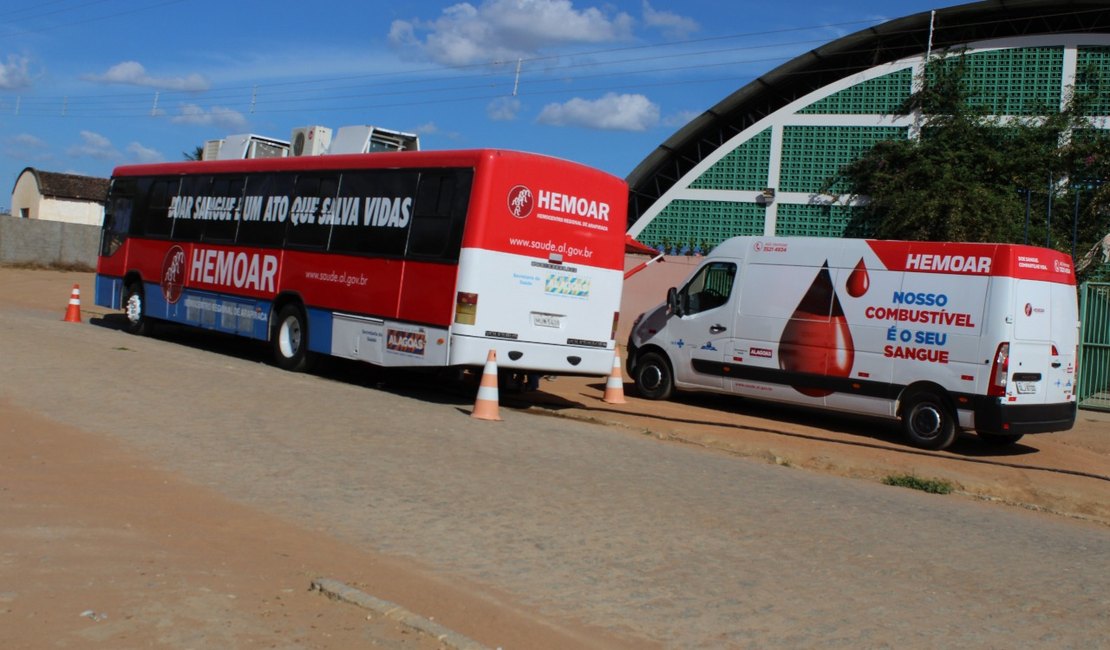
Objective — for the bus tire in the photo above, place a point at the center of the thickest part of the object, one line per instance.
(134, 309)
(290, 339)
(928, 421)
(653, 376)
(1000, 439)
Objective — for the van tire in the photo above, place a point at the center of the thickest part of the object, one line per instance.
(928, 421)
(653, 376)
(1000, 439)
(134, 309)
(290, 339)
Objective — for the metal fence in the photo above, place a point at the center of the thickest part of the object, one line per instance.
(1093, 390)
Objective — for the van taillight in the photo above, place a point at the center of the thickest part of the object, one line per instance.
(999, 371)
(616, 320)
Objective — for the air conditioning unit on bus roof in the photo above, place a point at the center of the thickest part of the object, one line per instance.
(249, 145)
(211, 150)
(310, 141)
(369, 139)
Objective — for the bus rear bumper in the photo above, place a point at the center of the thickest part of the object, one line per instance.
(524, 355)
(993, 416)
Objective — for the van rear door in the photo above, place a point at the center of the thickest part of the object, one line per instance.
(1042, 355)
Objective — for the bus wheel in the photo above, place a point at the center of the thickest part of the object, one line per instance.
(1000, 439)
(653, 376)
(927, 421)
(134, 307)
(291, 339)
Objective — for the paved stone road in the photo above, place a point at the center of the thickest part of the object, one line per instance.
(692, 548)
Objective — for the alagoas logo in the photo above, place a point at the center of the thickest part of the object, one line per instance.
(521, 201)
(406, 342)
(173, 274)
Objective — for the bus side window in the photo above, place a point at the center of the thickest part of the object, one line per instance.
(194, 191)
(709, 289)
(267, 228)
(229, 191)
(117, 216)
(151, 214)
(440, 214)
(375, 212)
(306, 228)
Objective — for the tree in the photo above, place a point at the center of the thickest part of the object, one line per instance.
(195, 154)
(969, 175)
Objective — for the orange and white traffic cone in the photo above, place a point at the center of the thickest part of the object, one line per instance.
(614, 385)
(73, 311)
(485, 406)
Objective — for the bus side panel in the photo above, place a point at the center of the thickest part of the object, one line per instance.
(109, 277)
(359, 285)
(108, 292)
(428, 293)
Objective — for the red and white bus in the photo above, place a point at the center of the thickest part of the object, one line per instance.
(426, 258)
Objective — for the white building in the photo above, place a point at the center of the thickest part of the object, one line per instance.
(51, 196)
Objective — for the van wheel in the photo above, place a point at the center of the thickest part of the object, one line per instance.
(290, 339)
(653, 376)
(1000, 439)
(134, 308)
(927, 421)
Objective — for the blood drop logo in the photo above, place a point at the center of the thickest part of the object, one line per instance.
(521, 201)
(173, 274)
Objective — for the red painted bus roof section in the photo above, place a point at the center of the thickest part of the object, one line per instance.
(379, 160)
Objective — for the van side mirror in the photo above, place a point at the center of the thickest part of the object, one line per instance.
(673, 303)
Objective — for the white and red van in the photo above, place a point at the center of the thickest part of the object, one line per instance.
(943, 336)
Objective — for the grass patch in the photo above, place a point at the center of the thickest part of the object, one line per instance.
(930, 485)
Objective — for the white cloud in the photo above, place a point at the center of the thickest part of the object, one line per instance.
(503, 30)
(25, 146)
(132, 73)
(93, 145)
(14, 74)
(215, 116)
(612, 112)
(681, 118)
(431, 128)
(144, 154)
(503, 109)
(671, 24)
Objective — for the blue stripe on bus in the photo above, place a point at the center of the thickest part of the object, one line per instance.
(233, 315)
(319, 330)
(108, 292)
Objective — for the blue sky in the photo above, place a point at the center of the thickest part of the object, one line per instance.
(86, 85)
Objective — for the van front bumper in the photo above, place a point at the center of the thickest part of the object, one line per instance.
(994, 416)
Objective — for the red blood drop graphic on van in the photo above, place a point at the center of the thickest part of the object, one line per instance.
(816, 339)
(858, 280)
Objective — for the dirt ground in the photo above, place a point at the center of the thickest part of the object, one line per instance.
(1065, 473)
(99, 548)
(73, 558)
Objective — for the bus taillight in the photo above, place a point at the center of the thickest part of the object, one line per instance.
(466, 308)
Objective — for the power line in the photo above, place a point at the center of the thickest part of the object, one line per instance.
(425, 85)
(85, 21)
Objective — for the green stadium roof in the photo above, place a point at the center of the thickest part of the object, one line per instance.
(884, 43)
